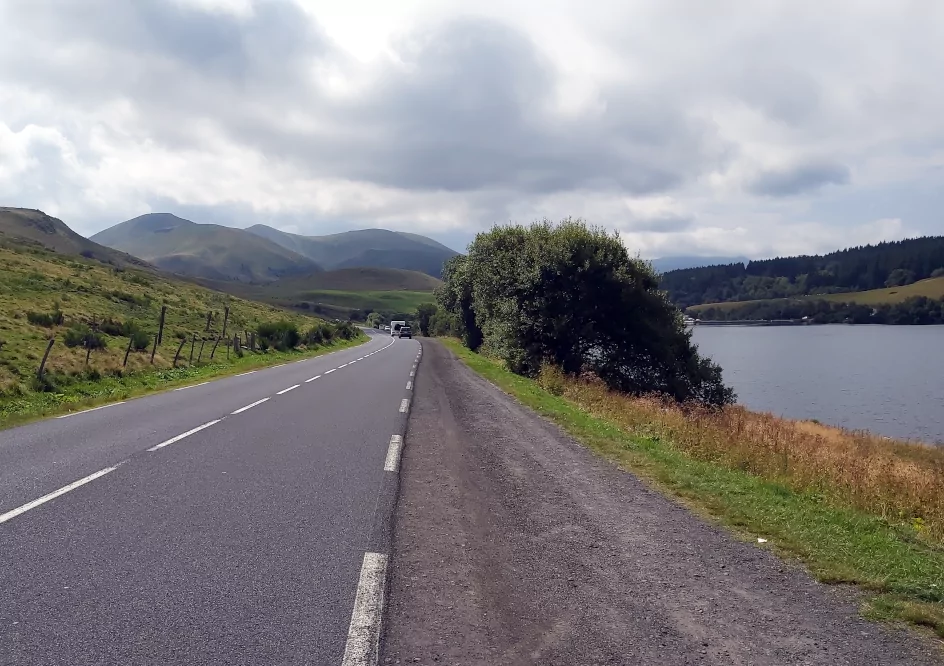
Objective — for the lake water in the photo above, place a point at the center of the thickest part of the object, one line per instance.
(886, 379)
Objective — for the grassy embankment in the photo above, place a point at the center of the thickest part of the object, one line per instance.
(338, 293)
(34, 281)
(854, 508)
(931, 288)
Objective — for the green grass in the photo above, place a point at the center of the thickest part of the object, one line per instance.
(35, 280)
(395, 301)
(902, 576)
(931, 288)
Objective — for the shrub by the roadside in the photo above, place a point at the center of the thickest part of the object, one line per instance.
(281, 335)
(47, 319)
(79, 335)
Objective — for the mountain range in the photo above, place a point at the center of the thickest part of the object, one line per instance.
(262, 254)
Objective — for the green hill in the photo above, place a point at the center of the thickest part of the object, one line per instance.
(204, 250)
(378, 248)
(342, 293)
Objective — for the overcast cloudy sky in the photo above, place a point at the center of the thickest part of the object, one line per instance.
(694, 127)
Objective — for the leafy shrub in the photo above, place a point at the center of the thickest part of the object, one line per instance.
(79, 335)
(320, 333)
(112, 327)
(345, 330)
(937, 272)
(47, 319)
(282, 335)
(140, 340)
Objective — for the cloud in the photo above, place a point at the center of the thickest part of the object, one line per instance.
(799, 179)
(654, 118)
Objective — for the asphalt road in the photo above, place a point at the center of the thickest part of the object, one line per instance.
(240, 543)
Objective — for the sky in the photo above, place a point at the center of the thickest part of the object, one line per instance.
(755, 128)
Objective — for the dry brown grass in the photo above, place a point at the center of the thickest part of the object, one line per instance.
(900, 481)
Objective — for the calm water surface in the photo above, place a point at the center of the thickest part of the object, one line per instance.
(887, 379)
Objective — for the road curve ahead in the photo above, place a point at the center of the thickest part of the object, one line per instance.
(233, 522)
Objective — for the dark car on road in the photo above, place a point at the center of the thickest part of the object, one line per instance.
(405, 332)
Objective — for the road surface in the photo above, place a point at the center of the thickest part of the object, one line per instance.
(513, 544)
(224, 523)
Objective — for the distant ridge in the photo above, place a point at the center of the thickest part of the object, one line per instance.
(204, 250)
(379, 248)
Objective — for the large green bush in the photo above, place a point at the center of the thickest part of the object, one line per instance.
(571, 296)
(282, 335)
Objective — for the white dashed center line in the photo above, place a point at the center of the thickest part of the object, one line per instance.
(290, 388)
(181, 436)
(249, 406)
(364, 632)
(313, 379)
(330, 371)
(184, 388)
(93, 409)
(409, 386)
(9, 515)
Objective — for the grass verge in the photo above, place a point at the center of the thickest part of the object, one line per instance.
(901, 573)
(82, 395)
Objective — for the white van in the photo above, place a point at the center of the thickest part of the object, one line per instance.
(395, 327)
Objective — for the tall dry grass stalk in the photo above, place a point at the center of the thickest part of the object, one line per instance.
(900, 481)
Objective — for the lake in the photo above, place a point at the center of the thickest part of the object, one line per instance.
(886, 379)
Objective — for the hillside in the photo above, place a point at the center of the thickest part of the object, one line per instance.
(378, 248)
(45, 293)
(343, 293)
(852, 270)
(356, 279)
(24, 227)
(204, 250)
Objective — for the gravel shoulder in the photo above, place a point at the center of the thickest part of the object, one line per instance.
(513, 544)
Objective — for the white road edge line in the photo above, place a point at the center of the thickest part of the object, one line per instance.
(184, 388)
(393, 454)
(243, 374)
(313, 379)
(290, 388)
(93, 409)
(249, 406)
(404, 405)
(330, 371)
(9, 515)
(409, 386)
(363, 636)
(181, 436)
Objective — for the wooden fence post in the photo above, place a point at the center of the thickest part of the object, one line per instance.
(200, 355)
(42, 365)
(182, 343)
(192, 344)
(88, 349)
(128, 350)
(225, 319)
(209, 315)
(160, 332)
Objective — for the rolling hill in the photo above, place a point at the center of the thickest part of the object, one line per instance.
(28, 227)
(341, 293)
(378, 248)
(204, 250)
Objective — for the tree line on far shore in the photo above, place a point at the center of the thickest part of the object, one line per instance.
(913, 311)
